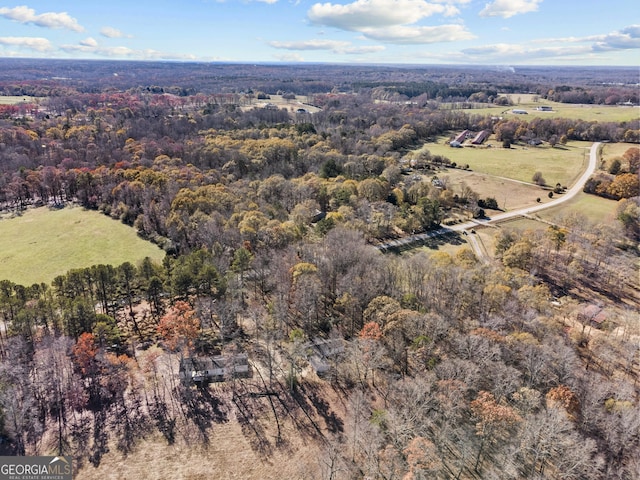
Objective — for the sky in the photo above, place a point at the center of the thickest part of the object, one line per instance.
(493, 32)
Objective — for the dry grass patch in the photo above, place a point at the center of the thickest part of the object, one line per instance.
(227, 457)
(562, 164)
(291, 105)
(510, 195)
(613, 150)
(241, 444)
(16, 99)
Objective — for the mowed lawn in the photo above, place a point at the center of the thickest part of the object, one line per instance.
(561, 164)
(588, 113)
(44, 243)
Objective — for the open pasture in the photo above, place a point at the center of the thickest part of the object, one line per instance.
(561, 164)
(596, 113)
(44, 243)
(593, 208)
(291, 105)
(15, 99)
(509, 194)
(613, 150)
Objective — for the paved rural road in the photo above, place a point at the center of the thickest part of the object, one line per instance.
(460, 227)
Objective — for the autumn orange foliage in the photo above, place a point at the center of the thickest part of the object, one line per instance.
(84, 353)
(180, 326)
(371, 331)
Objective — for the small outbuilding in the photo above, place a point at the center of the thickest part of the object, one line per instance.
(592, 315)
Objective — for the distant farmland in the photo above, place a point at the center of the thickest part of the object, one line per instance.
(14, 100)
(43, 243)
(586, 112)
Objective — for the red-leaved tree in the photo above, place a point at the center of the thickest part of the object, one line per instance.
(179, 327)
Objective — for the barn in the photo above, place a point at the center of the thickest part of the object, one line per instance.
(480, 137)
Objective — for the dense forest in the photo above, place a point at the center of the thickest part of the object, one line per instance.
(444, 366)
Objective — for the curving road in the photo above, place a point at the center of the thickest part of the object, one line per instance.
(460, 227)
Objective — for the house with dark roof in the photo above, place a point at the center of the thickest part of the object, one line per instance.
(322, 354)
(213, 369)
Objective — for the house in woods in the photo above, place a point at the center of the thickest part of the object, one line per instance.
(214, 369)
(480, 137)
(592, 315)
(322, 352)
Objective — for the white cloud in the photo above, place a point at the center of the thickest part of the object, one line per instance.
(334, 46)
(419, 35)
(509, 8)
(372, 13)
(309, 45)
(111, 32)
(625, 39)
(123, 52)
(31, 43)
(289, 58)
(392, 21)
(89, 42)
(24, 14)
(632, 31)
(502, 52)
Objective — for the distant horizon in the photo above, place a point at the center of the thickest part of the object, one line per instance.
(356, 32)
(335, 63)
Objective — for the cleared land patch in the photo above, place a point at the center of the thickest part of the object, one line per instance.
(561, 164)
(597, 113)
(15, 99)
(509, 194)
(612, 150)
(291, 105)
(44, 243)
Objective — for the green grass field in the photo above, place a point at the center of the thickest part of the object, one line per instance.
(598, 113)
(562, 164)
(595, 209)
(44, 243)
